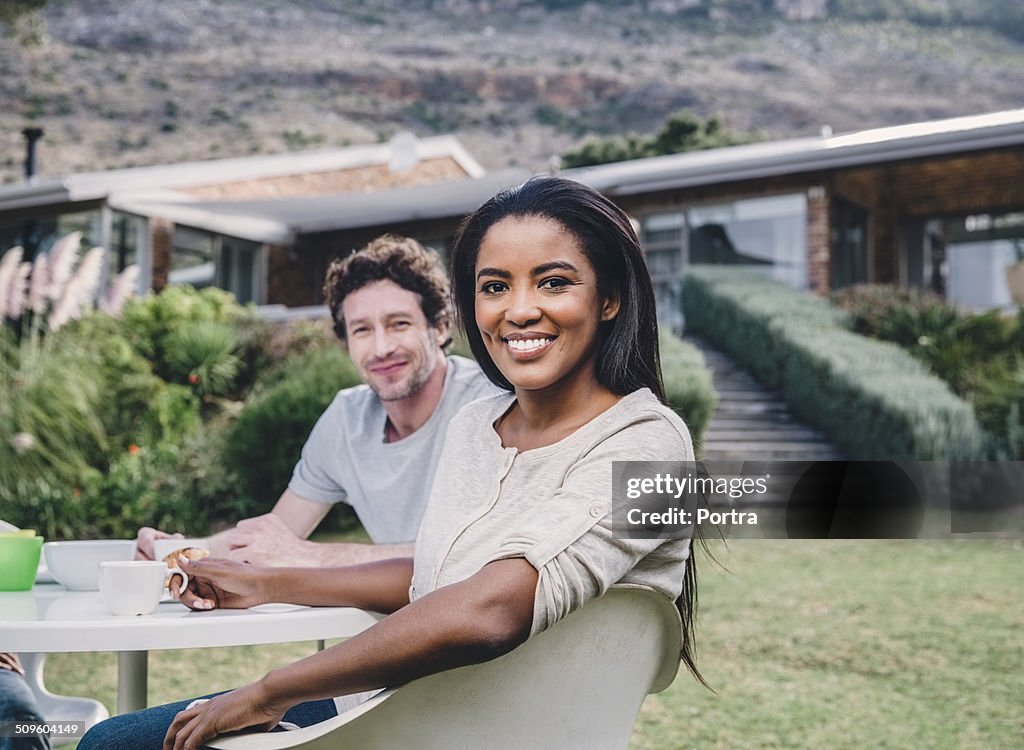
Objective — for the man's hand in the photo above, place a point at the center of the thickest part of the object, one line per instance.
(266, 540)
(11, 663)
(144, 542)
(247, 707)
(223, 584)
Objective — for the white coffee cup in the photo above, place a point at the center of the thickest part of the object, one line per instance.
(134, 587)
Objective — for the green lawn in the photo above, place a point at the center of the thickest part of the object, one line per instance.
(858, 644)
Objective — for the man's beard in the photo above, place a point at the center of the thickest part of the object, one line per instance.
(410, 388)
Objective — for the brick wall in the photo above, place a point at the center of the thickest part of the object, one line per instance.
(161, 244)
(296, 277)
(287, 279)
(818, 240)
(984, 182)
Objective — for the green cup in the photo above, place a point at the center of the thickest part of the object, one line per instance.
(19, 560)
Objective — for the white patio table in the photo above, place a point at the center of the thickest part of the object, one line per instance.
(51, 619)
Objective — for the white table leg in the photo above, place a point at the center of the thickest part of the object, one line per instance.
(132, 679)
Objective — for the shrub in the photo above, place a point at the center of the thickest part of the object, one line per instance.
(283, 343)
(200, 493)
(264, 442)
(978, 355)
(104, 433)
(49, 412)
(98, 504)
(872, 398)
(203, 354)
(688, 384)
(154, 325)
(871, 306)
(136, 407)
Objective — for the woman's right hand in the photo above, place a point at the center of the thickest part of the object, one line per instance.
(223, 584)
(144, 542)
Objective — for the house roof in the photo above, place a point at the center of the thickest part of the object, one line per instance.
(279, 221)
(797, 155)
(93, 186)
(158, 191)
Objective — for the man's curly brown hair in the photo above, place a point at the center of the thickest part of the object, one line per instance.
(402, 260)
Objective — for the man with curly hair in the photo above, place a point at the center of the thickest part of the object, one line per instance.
(377, 445)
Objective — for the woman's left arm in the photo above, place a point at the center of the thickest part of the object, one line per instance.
(469, 622)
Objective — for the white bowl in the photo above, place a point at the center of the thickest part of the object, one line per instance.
(76, 564)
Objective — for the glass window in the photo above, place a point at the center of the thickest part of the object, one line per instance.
(663, 237)
(128, 245)
(849, 244)
(964, 259)
(977, 274)
(770, 233)
(238, 269)
(193, 261)
(659, 228)
(979, 251)
(202, 259)
(127, 240)
(37, 235)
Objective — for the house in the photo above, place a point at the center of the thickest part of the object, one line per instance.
(243, 223)
(937, 205)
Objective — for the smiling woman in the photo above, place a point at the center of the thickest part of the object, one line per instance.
(557, 305)
(553, 292)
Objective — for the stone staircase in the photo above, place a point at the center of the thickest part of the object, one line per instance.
(752, 423)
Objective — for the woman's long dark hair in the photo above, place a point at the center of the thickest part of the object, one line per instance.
(628, 357)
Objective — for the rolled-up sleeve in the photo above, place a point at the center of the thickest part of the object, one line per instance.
(581, 557)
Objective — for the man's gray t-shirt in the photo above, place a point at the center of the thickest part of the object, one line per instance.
(345, 458)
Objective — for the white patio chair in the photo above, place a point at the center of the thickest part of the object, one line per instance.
(62, 708)
(579, 684)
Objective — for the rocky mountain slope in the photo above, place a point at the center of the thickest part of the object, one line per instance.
(131, 82)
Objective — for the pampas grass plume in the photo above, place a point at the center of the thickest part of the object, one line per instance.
(62, 259)
(79, 291)
(8, 268)
(39, 285)
(120, 290)
(18, 291)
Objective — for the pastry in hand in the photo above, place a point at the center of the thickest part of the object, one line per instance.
(189, 553)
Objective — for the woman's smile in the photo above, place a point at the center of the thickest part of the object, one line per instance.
(525, 346)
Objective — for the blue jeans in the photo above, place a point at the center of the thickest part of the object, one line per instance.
(18, 704)
(145, 730)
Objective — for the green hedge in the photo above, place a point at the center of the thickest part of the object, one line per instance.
(688, 384)
(265, 441)
(872, 398)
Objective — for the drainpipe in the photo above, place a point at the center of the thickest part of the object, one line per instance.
(31, 136)
(29, 240)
